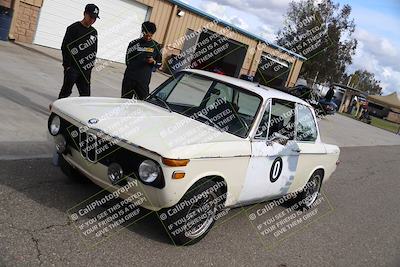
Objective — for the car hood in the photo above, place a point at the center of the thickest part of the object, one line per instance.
(154, 128)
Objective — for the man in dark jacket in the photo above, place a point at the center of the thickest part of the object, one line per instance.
(142, 56)
(79, 49)
(329, 95)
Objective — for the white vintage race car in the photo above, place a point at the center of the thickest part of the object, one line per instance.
(201, 142)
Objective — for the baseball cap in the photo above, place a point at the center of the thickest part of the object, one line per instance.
(92, 10)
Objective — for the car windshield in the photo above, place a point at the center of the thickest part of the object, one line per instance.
(215, 103)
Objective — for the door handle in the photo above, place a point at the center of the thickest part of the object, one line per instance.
(297, 150)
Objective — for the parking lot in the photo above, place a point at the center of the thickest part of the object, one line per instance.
(360, 230)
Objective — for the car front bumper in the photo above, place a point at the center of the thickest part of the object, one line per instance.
(97, 173)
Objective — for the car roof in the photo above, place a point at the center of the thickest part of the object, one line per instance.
(263, 91)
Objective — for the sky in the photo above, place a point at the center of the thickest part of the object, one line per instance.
(377, 30)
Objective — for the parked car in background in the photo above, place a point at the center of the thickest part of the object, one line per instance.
(321, 106)
(248, 78)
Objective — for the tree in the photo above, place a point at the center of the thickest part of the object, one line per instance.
(366, 82)
(323, 33)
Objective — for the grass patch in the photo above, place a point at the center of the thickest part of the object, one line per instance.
(386, 125)
(380, 123)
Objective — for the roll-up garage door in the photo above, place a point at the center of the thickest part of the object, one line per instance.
(120, 22)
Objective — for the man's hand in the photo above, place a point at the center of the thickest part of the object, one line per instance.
(150, 60)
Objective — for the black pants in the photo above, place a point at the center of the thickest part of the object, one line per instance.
(131, 87)
(73, 76)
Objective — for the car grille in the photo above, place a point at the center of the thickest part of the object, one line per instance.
(95, 149)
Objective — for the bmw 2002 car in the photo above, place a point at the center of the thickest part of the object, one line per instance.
(198, 144)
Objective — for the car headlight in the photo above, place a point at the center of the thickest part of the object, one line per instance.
(148, 171)
(54, 125)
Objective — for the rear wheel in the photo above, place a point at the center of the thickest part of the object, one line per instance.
(319, 112)
(310, 192)
(196, 214)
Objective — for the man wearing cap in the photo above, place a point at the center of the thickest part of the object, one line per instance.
(142, 57)
(79, 49)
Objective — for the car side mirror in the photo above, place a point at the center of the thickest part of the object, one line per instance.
(278, 138)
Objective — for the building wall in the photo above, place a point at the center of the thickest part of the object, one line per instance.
(393, 117)
(26, 13)
(294, 73)
(165, 13)
(170, 28)
(160, 14)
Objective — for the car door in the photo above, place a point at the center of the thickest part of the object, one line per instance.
(273, 162)
(312, 150)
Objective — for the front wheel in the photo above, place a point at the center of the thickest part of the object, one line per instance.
(71, 172)
(194, 215)
(309, 194)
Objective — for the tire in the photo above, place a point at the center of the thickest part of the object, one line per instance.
(181, 226)
(320, 113)
(71, 172)
(309, 194)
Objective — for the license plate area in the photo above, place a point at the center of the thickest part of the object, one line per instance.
(88, 146)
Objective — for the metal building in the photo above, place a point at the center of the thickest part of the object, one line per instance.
(43, 22)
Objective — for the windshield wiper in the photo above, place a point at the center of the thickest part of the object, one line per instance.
(210, 120)
(164, 102)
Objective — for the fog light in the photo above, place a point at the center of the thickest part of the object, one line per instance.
(61, 143)
(115, 173)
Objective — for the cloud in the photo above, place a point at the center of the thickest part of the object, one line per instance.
(270, 13)
(267, 32)
(379, 46)
(377, 21)
(380, 56)
(251, 5)
(219, 11)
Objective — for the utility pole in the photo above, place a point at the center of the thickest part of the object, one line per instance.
(315, 79)
(348, 83)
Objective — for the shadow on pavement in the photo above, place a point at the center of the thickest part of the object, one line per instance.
(45, 185)
(22, 100)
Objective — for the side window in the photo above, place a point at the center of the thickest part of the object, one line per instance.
(306, 128)
(262, 130)
(282, 118)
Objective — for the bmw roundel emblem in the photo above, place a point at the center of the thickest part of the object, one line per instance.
(93, 121)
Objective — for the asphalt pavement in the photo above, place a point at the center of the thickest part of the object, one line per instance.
(361, 228)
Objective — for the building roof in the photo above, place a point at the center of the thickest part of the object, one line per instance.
(264, 91)
(244, 32)
(392, 100)
(351, 89)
